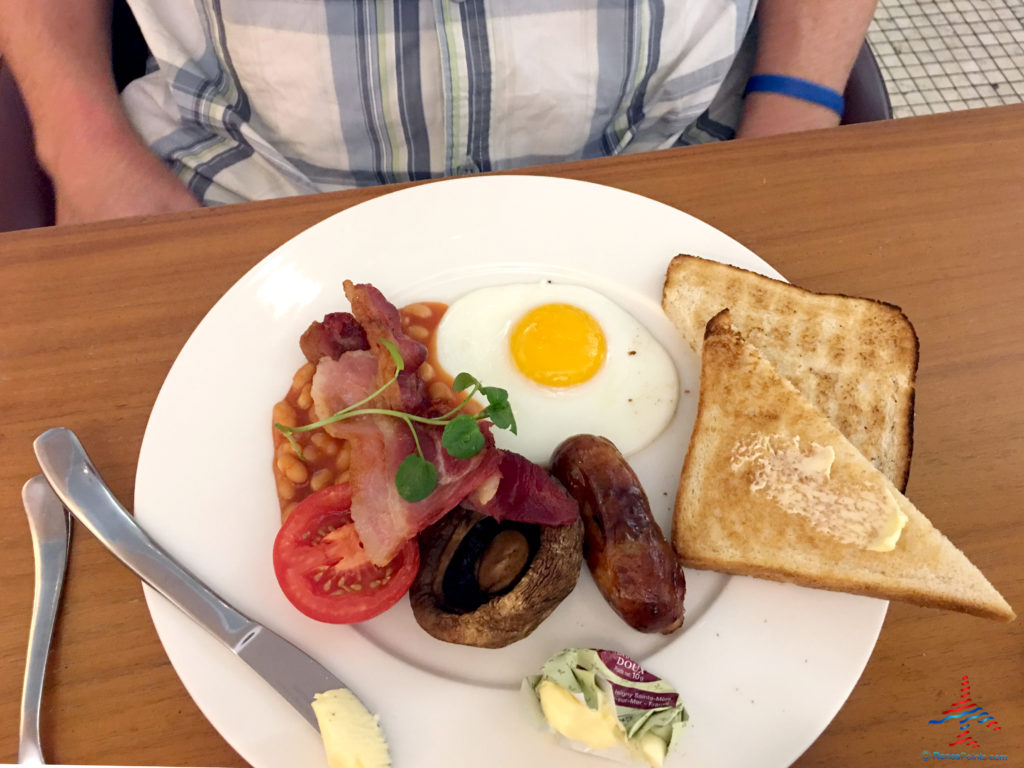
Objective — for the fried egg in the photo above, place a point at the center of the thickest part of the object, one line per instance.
(571, 360)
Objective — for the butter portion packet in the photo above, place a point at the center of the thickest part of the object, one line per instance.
(604, 703)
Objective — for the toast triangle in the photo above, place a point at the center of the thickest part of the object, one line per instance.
(723, 522)
(855, 359)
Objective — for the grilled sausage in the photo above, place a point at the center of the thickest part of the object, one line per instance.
(626, 551)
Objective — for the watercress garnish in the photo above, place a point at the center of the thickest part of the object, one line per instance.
(416, 478)
(461, 438)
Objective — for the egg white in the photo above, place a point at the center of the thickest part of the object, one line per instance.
(630, 400)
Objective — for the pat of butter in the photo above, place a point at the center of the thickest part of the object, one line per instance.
(352, 736)
(605, 704)
(854, 511)
(598, 729)
(890, 532)
(653, 749)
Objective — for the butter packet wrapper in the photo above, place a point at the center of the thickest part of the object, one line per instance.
(604, 703)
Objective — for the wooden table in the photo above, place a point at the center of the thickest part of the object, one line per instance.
(926, 213)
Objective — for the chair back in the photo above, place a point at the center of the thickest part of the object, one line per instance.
(867, 99)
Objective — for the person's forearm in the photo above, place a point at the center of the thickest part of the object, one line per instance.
(816, 40)
(59, 53)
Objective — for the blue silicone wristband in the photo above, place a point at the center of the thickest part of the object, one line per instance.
(798, 89)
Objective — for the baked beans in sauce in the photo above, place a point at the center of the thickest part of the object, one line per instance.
(327, 458)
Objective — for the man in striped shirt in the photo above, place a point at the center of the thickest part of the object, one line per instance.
(252, 99)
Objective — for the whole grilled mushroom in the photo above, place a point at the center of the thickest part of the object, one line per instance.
(487, 583)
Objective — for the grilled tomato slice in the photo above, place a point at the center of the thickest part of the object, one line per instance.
(321, 566)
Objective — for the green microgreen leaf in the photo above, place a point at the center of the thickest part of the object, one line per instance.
(495, 395)
(464, 381)
(501, 416)
(416, 478)
(395, 355)
(462, 437)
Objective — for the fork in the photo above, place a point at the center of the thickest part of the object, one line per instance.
(50, 525)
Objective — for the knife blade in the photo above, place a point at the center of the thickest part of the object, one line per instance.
(73, 477)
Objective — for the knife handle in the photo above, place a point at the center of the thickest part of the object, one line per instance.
(75, 480)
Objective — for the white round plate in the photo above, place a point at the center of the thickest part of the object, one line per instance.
(762, 667)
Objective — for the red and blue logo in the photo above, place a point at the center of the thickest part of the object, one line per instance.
(967, 712)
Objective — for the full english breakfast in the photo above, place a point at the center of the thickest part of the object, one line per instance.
(395, 477)
(498, 539)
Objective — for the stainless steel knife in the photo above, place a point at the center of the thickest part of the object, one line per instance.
(71, 474)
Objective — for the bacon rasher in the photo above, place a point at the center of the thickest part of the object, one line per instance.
(379, 443)
(526, 493)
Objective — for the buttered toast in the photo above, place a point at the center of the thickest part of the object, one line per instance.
(854, 359)
(771, 488)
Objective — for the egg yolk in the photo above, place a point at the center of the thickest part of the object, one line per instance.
(558, 345)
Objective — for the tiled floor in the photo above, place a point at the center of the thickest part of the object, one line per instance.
(941, 55)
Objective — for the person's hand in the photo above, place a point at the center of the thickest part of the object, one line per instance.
(103, 170)
(129, 184)
(114, 178)
(768, 114)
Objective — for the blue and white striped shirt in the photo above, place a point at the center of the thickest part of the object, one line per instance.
(254, 99)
